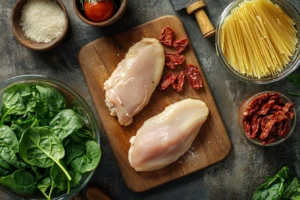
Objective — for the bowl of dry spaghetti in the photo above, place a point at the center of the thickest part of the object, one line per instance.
(258, 40)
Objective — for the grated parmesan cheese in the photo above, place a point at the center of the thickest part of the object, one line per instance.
(42, 20)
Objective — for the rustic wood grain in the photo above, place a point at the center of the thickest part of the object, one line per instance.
(98, 60)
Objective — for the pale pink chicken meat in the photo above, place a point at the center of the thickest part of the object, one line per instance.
(165, 137)
(129, 88)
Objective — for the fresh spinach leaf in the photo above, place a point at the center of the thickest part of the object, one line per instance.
(8, 139)
(89, 160)
(40, 147)
(20, 181)
(26, 121)
(36, 172)
(11, 158)
(17, 130)
(77, 107)
(44, 185)
(274, 188)
(4, 164)
(59, 179)
(50, 102)
(9, 147)
(76, 177)
(4, 171)
(73, 150)
(292, 190)
(18, 100)
(82, 135)
(65, 123)
(54, 99)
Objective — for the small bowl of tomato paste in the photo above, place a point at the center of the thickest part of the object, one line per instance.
(100, 13)
(267, 118)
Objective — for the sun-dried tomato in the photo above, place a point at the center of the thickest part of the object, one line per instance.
(265, 108)
(287, 107)
(267, 129)
(267, 117)
(168, 80)
(180, 44)
(193, 75)
(174, 59)
(247, 127)
(255, 125)
(286, 128)
(166, 36)
(180, 81)
(276, 108)
(253, 106)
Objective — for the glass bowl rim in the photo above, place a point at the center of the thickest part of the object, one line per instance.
(94, 125)
(285, 72)
(256, 141)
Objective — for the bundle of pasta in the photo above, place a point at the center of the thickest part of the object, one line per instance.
(258, 38)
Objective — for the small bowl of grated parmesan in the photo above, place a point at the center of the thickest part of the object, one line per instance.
(39, 25)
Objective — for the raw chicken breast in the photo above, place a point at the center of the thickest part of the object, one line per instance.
(131, 85)
(165, 137)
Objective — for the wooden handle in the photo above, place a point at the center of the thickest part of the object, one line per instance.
(206, 26)
(96, 194)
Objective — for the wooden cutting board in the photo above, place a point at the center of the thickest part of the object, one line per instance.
(99, 59)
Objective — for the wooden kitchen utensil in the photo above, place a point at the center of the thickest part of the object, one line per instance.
(99, 59)
(197, 8)
(206, 26)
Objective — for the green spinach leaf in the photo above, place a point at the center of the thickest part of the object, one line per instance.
(293, 190)
(40, 147)
(17, 130)
(44, 185)
(89, 160)
(274, 188)
(65, 123)
(50, 102)
(20, 181)
(82, 135)
(73, 150)
(76, 177)
(18, 100)
(59, 179)
(4, 171)
(9, 147)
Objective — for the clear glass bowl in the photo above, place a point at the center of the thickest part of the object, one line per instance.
(71, 96)
(257, 141)
(291, 10)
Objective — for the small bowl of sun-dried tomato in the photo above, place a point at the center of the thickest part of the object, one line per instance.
(267, 118)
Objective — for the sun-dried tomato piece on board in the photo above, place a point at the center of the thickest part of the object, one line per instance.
(174, 59)
(166, 36)
(193, 75)
(180, 81)
(180, 44)
(168, 80)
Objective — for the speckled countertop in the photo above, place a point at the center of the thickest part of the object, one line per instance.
(236, 177)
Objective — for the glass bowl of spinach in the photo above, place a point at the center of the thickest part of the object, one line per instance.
(49, 139)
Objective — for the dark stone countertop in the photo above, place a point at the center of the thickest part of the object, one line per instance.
(234, 178)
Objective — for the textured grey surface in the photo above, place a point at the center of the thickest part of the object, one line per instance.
(236, 177)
